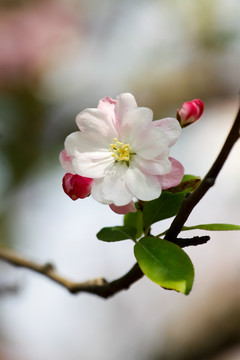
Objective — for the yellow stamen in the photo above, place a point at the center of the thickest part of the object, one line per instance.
(120, 151)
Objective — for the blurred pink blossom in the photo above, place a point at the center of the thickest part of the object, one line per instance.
(31, 37)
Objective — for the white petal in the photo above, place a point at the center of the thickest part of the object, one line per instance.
(97, 193)
(92, 165)
(150, 144)
(114, 185)
(90, 153)
(108, 106)
(157, 166)
(170, 127)
(143, 186)
(124, 103)
(134, 122)
(97, 120)
(86, 143)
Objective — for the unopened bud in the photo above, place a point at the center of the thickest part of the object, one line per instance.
(76, 186)
(190, 112)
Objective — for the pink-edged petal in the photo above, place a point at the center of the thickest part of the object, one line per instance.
(174, 177)
(157, 166)
(135, 121)
(114, 185)
(170, 127)
(97, 193)
(124, 103)
(150, 144)
(108, 106)
(92, 165)
(97, 121)
(66, 161)
(122, 210)
(143, 186)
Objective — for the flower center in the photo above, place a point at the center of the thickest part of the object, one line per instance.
(120, 151)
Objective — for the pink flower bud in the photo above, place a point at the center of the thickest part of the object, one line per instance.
(76, 186)
(190, 112)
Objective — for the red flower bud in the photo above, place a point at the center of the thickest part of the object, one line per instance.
(190, 112)
(76, 186)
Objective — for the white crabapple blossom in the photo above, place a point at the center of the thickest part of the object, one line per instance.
(124, 151)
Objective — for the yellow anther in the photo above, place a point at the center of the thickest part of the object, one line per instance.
(120, 151)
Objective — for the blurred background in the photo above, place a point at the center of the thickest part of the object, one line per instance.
(57, 58)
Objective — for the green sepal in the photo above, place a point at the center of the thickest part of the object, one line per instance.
(165, 263)
(188, 184)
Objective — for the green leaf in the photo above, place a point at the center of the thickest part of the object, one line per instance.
(135, 220)
(117, 233)
(188, 184)
(166, 206)
(213, 227)
(165, 263)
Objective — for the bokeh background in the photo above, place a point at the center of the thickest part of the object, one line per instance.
(57, 58)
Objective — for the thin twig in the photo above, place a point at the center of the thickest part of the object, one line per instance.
(194, 241)
(99, 286)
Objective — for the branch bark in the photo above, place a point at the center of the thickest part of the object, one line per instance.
(99, 286)
(102, 287)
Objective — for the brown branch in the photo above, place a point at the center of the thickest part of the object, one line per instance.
(99, 286)
(191, 201)
(194, 241)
